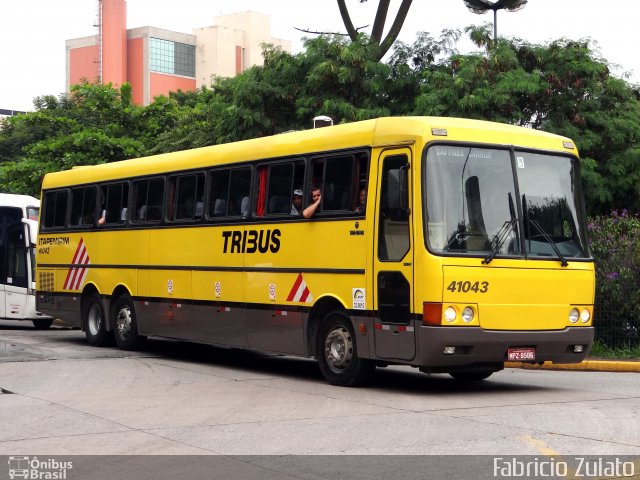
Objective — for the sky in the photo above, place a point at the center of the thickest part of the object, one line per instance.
(33, 32)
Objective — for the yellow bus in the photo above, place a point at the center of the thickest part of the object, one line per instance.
(446, 244)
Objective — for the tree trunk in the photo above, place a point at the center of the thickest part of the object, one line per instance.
(378, 25)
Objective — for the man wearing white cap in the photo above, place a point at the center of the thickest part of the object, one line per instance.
(296, 202)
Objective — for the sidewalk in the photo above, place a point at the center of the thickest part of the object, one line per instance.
(588, 365)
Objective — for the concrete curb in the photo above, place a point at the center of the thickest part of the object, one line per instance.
(586, 365)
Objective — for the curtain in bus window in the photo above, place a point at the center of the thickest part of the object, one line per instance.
(262, 191)
(470, 198)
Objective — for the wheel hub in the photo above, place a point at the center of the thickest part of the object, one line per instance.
(338, 349)
(123, 322)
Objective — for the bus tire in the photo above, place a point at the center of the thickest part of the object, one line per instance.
(125, 326)
(94, 320)
(42, 323)
(337, 355)
(472, 376)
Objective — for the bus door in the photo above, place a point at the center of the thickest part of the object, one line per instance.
(394, 332)
(15, 271)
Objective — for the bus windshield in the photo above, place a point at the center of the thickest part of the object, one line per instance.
(474, 205)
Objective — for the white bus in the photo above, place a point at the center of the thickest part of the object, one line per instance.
(18, 236)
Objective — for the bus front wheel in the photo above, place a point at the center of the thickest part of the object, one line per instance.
(94, 320)
(125, 326)
(337, 354)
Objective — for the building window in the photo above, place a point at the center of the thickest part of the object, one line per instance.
(172, 57)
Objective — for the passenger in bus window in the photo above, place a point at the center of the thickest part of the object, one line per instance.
(103, 207)
(296, 202)
(316, 196)
(362, 201)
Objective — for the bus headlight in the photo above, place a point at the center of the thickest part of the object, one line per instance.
(450, 314)
(574, 315)
(467, 314)
(585, 315)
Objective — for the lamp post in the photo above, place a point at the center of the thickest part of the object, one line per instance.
(483, 6)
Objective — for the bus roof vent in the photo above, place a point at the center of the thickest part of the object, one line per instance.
(322, 121)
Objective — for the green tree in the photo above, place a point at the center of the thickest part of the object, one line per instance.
(92, 124)
(564, 88)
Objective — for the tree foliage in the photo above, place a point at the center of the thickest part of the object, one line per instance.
(92, 124)
(562, 87)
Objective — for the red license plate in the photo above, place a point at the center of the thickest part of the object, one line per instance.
(521, 354)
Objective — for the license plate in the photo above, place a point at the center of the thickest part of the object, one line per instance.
(520, 354)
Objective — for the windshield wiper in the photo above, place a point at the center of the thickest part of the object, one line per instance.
(499, 238)
(545, 235)
(554, 245)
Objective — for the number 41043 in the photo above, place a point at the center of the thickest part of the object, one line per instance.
(467, 286)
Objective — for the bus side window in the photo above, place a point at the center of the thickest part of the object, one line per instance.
(55, 209)
(335, 175)
(218, 193)
(279, 188)
(188, 197)
(360, 182)
(394, 230)
(83, 207)
(239, 203)
(147, 200)
(115, 198)
(17, 258)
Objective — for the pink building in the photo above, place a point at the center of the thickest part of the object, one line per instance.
(157, 61)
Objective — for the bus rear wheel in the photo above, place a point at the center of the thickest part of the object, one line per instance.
(42, 323)
(337, 354)
(94, 320)
(125, 326)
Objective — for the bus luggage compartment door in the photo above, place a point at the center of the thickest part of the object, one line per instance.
(394, 333)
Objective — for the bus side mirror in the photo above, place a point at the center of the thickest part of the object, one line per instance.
(397, 190)
(31, 231)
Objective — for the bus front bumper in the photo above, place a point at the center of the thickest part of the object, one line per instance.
(474, 346)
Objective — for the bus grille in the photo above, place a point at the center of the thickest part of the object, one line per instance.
(45, 287)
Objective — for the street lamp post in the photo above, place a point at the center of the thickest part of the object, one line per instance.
(483, 6)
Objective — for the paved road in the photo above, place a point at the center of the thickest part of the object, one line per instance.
(61, 396)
